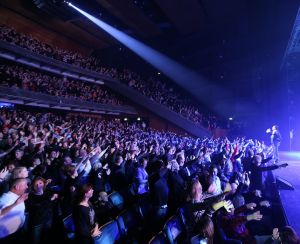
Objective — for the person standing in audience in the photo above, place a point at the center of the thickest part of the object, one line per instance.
(159, 190)
(257, 169)
(225, 169)
(118, 177)
(71, 184)
(40, 206)
(213, 181)
(86, 227)
(18, 172)
(141, 180)
(12, 211)
(177, 184)
(99, 177)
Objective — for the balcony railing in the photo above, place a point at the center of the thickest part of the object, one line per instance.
(27, 57)
(20, 96)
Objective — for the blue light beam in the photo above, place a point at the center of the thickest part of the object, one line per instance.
(189, 80)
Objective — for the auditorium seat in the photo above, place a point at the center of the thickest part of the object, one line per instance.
(159, 238)
(109, 233)
(129, 225)
(116, 199)
(174, 229)
(198, 239)
(69, 227)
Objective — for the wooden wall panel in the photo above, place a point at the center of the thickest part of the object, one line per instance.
(27, 26)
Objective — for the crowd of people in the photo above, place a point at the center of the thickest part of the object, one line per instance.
(35, 80)
(53, 165)
(29, 42)
(168, 96)
(155, 89)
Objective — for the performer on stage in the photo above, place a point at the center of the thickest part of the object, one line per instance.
(275, 141)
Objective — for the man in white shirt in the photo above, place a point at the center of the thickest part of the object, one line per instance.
(12, 209)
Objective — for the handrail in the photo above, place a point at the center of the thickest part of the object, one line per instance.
(24, 95)
(41, 60)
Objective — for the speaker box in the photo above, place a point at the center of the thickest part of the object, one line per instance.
(283, 184)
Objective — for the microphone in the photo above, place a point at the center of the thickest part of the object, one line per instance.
(283, 165)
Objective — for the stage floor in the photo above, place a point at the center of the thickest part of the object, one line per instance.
(291, 199)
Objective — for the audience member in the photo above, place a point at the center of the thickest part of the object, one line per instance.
(12, 211)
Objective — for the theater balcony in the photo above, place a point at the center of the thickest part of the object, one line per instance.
(20, 55)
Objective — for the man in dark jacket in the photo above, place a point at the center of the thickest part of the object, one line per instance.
(256, 177)
(275, 141)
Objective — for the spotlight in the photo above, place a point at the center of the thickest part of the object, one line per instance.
(230, 118)
(138, 119)
(158, 73)
(67, 2)
(125, 119)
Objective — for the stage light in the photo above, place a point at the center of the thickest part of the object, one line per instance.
(125, 119)
(138, 119)
(67, 2)
(230, 118)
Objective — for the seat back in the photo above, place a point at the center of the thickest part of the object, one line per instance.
(109, 233)
(182, 216)
(222, 235)
(116, 199)
(227, 240)
(173, 229)
(69, 227)
(128, 221)
(198, 239)
(160, 238)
